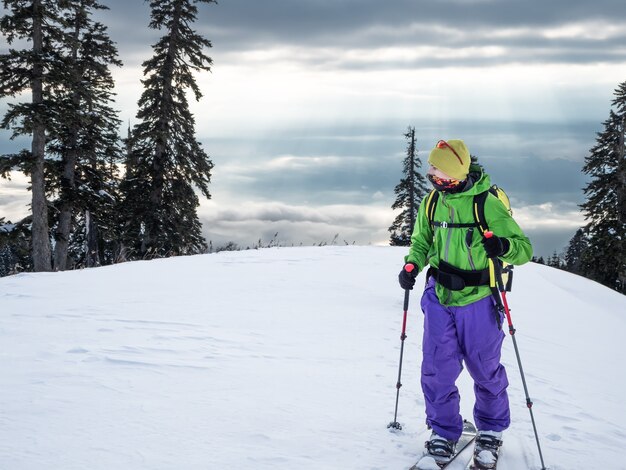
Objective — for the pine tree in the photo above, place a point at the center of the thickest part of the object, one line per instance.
(15, 243)
(605, 258)
(555, 260)
(86, 138)
(620, 102)
(6, 252)
(166, 161)
(409, 193)
(575, 251)
(37, 69)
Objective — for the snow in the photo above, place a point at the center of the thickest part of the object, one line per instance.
(486, 458)
(103, 193)
(428, 463)
(283, 358)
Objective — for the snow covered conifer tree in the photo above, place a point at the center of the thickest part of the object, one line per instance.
(409, 193)
(37, 69)
(605, 258)
(15, 249)
(165, 161)
(85, 138)
(555, 261)
(574, 252)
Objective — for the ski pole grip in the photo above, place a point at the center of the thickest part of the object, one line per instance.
(496, 266)
(408, 267)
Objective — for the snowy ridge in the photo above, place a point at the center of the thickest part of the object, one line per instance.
(282, 358)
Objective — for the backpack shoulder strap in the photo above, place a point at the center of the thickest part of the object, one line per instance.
(479, 210)
(431, 205)
(479, 216)
(479, 205)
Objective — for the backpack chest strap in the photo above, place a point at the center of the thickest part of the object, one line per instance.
(445, 224)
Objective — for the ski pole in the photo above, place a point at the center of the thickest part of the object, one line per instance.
(394, 424)
(504, 305)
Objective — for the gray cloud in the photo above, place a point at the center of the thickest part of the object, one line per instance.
(326, 28)
(546, 241)
(534, 162)
(287, 19)
(245, 224)
(602, 53)
(14, 198)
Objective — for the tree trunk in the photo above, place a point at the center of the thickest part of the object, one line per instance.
(40, 236)
(62, 235)
(91, 241)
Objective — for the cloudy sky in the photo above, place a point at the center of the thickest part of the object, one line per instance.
(304, 111)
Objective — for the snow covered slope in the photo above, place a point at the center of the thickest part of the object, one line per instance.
(282, 358)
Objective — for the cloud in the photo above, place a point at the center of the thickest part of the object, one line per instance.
(532, 180)
(370, 34)
(282, 61)
(434, 46)
(245, 223)
(550, 226)
(550, 216)
(315, 179)
(379, 196)
(311, 20)
(14, 197)
(535, 163)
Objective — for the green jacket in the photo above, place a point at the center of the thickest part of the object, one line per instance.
(430, 245)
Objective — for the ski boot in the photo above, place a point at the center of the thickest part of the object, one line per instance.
(486, 450)
(439, 451)
(440, 447)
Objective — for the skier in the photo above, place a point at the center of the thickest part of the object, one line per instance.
(461, 320)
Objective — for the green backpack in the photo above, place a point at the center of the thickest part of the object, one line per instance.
(479, 221)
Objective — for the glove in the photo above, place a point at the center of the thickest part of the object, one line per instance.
(495, 246)
(407, 278)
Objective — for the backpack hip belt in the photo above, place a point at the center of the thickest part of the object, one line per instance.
(453, 278)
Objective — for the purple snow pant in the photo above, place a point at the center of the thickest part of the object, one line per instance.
(453, 335)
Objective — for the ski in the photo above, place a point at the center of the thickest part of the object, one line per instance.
(430, 462)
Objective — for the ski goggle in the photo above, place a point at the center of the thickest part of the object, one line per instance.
(442, 144)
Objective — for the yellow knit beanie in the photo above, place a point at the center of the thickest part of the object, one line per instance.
(451, 157)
